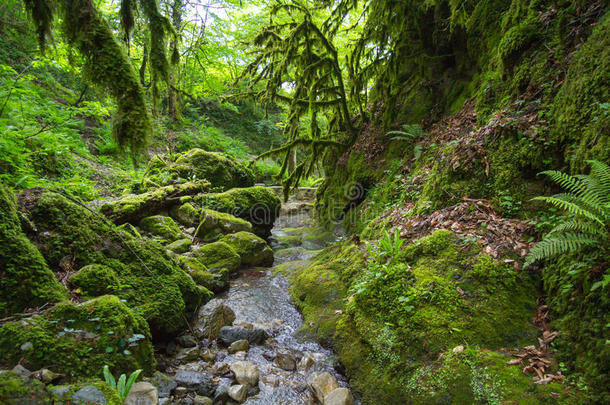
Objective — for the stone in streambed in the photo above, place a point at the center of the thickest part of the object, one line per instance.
(142, 393)
(212, 318)
(164, 384)
(339, 396)
(245, 372)
(285, 361)
(187, 340)
(239, 346)
(238, 392)
(230, 334)
(195, 381)
(322, 384)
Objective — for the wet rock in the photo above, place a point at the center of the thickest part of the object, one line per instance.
(165, 385)
(238, 392)
(322, 384)
(285, 361)
(239, 346)
(307, 362)
(241, 355)
(209, 355)
(195, 381)
(16, 391)
(22, 372)
(230, 334)
(212, 317)
(142, 393)
(46, 375)
(220, 356)
(339, 396)
(269, 355)
(199, 400)
(89, 395)
(253, 250)
(245, 372)
(181, 391)
(165, 401)
(271, 380)
(188, 354)
(187, 341)
(221, 369)
(221, 395)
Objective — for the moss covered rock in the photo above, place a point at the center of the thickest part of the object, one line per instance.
(25, 279)
(77, 340)
(215, 224)
(186, 214)
(95, 280)
(15, 390)
(257, 205)
(252, 250)
(180, 246)
(214, 281)
(70, 236)
(162, 226)
(217, 256)
(221, 170)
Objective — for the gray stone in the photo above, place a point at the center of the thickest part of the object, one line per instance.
(322, 384)
(239, 346)
(195, 381)
(199, 400)
(188, 354)
(88, 395)
(306, 363)
(230, 334)
(212, 317)
(222, 392)
(245, 372)
(339, 396)
(165, 385)
(238, 392)
(22, 372)
(187, 341)
(142, 393)
(46, 375)
(285, 361)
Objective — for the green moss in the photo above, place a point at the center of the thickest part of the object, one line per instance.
(216, 281)
(95, 280)
(516, 40)
(257, 205)
(151, 282)
(186, 214)
(64, 394)
(15, 391)
(218, 255)
(180, 246)
(253, 250)
(25, 279)
(78, 339)
(162, 226)
(215, 224)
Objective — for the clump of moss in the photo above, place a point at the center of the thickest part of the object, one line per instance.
(96, 279)
(150, 281)
(257, 205)
(78, 339)
(25, 279)
(180, 246)
(516, 40)
(215, 224)
(15, 391)
(217, 256)
(162, 226)
(186, 214)
(214, 281)
(252, 250)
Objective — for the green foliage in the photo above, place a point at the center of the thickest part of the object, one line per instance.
(123, 385)
(587, 203)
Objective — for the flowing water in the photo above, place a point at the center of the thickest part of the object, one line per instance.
(260, 297)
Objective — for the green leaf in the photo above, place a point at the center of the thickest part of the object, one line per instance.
(108, 377)
(132, 379)
(120, 386)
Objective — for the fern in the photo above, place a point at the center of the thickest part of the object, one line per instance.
(588, 203)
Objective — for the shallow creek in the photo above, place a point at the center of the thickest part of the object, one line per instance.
(260, 299)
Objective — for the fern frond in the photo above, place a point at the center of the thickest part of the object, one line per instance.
(569, 203)
(556, 244)
(576, 225)
(601, 172)
(576, 185)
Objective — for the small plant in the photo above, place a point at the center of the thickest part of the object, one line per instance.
(409, 132)
(587, 202)
(123, 385)
(389, 247)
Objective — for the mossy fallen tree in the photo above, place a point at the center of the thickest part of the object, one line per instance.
(135, 207)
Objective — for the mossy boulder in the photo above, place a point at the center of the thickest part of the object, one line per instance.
(180, 246)
(217, 256)
(186, 214)
(222, 171)
(257, 205)
(77, 340)
(16, 390)
(69, 236)
(25, 279)
(87, 392)
(162, 226)
(252, 250)
(214, 281)
(215, 224)
(386, 320)
(96, 279)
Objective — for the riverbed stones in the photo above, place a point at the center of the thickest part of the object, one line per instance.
(187, 340)
(188, 354)
(239, 346)
(339, 396)
(89, 395)
(201, 400)
(212, 317)
(142, 393)
(164, 384)
(195, 381)
(307, 362)
(245, 372)
(238, 392)
(230, 334)
(321, 384)
(285, 361)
